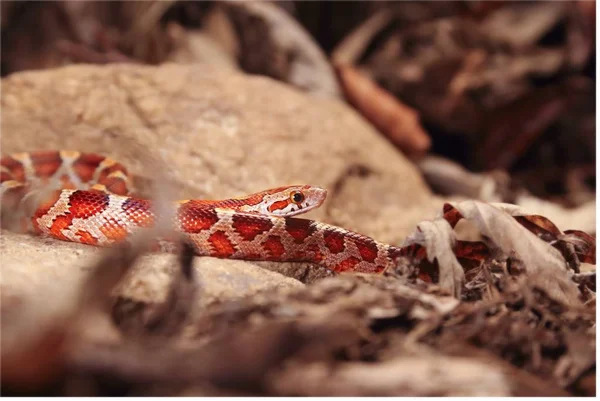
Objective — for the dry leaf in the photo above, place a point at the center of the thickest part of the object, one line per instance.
(585, 245)
(543, 262)
(439, 239)
(395, 120)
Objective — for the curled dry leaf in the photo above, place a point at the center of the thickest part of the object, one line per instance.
(543, 263)
(581, 218)
(575, 246)
(438, 238)
(471, 253)
(394, 119)
(585, 245)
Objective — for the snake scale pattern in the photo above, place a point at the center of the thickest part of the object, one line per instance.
(87, 200)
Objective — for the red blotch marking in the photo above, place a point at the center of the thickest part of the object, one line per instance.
(86, 164)
(317, 256)
(45, 164)
(346, 265)
(250, 228)
(222, 247)
(138, 211)
(15, 167)
(194, 220)
(299, 229)
(279, 205)
(334, 241)
(274, 247)
(367, 249)
(84, 204)
(86, 238)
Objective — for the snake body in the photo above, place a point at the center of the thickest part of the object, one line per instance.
(87, 200)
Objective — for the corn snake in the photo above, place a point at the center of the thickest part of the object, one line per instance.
(89, 202)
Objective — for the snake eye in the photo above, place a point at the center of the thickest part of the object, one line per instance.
(297, 197)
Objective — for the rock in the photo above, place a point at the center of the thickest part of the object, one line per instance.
(220, 134)
(30, 265)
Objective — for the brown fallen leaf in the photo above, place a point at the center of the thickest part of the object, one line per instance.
(542, 262)
(576, 247)
(585, 245)
(438, 238)
(398, 122)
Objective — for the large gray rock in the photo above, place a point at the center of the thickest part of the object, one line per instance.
(222, 134)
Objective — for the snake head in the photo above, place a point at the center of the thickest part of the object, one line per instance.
(287, 201)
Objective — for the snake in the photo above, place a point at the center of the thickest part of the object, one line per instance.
(88, 199)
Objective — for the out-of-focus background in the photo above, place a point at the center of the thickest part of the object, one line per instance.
(495, 85)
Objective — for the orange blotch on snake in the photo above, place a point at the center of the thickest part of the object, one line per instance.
(346, 265)
(86, 238)
(250, 228)
(368, 250)
(299, 229)
(114, 231)
(334, 241)
(221, 245)
(138, 211)
(194, 220)
(279, 205)
(274, 247)
(59, 224)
